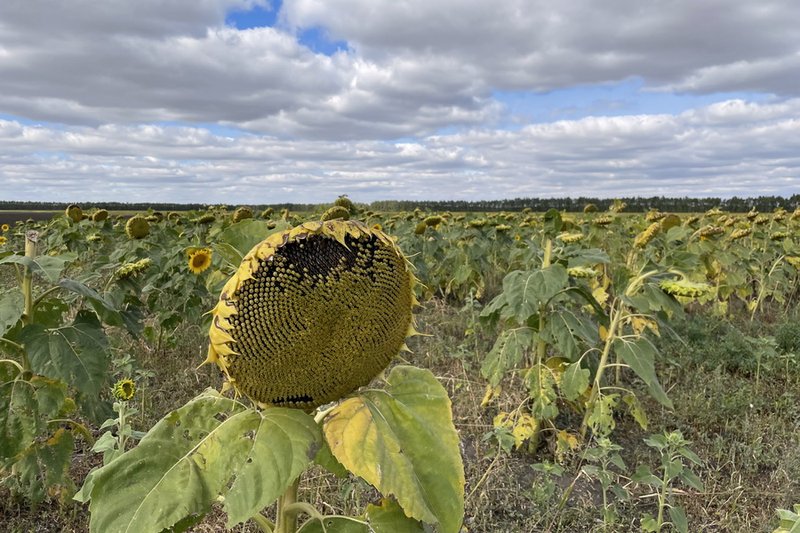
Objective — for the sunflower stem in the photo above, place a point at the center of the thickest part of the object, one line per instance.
(27, 287)
(286, 518)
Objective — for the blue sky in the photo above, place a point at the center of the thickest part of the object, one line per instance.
(241, 101)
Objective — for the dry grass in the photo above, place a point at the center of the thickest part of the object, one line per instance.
(749, 440)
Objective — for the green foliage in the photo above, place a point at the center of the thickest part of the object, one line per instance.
(212, 449)
(676, 462)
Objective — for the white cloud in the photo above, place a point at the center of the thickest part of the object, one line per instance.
(414, 67)
(369, 120)
(731, 148)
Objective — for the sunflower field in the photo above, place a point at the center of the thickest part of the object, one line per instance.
(346, 370)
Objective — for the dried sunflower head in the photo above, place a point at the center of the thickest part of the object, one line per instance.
(137, 227)
(312, 313)
(335, 212)
(686, 288)
(242, 213)
(644, 238)
(74, 213)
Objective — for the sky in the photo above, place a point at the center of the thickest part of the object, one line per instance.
(268, 101)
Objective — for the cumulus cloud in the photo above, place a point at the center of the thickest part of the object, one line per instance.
(412, 68)
(730, 148)
(411, 107)
(544, 45)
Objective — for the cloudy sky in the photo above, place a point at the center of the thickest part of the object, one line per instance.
(259, 101)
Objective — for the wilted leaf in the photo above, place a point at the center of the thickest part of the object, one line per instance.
(640, 355)
(506, 353)
(403, 442)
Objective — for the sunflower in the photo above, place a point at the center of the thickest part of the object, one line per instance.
(3, 240)
(313, 313)
(124, 389)
(5, 227)
(199, 260)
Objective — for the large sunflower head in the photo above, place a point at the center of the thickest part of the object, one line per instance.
(74, 213)
(137, 227)
(312, 314)
(199, 259)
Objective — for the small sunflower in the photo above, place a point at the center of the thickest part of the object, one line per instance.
(124, 389)
(3, 240)
(199, 260)
(5, 227)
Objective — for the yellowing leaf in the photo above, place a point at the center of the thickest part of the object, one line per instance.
(639, 323)
(503, 420)
(491, 394)
(565, 442)
(603, 332)
(402, 441)
(524, 429)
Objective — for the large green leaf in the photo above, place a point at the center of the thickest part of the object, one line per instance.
(526, 291)
(211, 449)
(402, 441)
(77, 354)
(48, 267)
(12, 305)
(640, 355)
(243, 235)
(105, 309)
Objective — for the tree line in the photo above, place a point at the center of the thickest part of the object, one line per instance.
(633, 204)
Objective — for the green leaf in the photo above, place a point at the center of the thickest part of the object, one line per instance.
(678, 517)
(284, 443)
(691, 479)
(105, 309)
(326, 460)
(640, 355)
(507, 352)
(388, 517)
(574, 382)
(19, 420)
(644, 476)
(636, 411)
(689, 454)
(211, 448)
(45, 464)
(563, 330)
(402, 441)
(525, 292)
(77, 353)
(243, 235)
(12, 305)
(335, 524)
(48, 267)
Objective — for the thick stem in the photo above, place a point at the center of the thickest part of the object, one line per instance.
(287, 519)
(27, 278)
(598, 377)
(27, 287)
